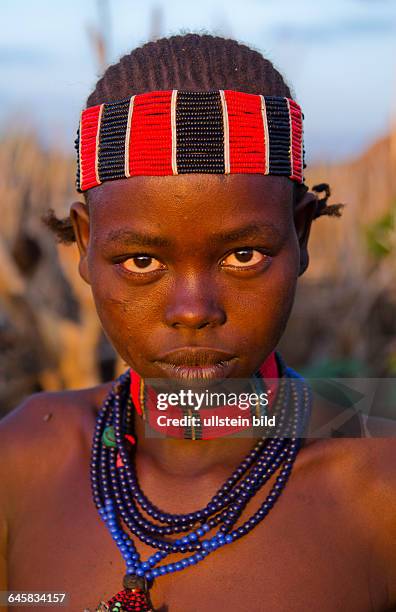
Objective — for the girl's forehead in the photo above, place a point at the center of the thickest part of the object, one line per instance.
(193, 208)
(192, 193)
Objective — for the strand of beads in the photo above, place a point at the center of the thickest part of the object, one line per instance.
(187, 521)
(226, 494)
(117, 494)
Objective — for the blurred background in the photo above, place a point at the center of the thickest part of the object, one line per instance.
(340, 60)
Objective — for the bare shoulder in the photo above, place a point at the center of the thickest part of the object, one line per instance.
(378, 501)
(38, 441)
(44, 414)
(359, 475)
(362, 466)
(42, 431)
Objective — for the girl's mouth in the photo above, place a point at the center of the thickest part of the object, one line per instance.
(197, 363)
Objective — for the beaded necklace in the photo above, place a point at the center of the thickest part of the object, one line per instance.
(145, 401)
(117, 495)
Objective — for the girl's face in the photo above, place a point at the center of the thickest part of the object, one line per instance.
(194, 273)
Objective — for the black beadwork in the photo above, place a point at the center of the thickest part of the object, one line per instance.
(199, 132)
(278, 120)
(111, 156)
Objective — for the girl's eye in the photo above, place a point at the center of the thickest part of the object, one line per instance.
(244, 258)
(140, 264)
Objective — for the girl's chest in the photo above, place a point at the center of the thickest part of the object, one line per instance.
(299, 558)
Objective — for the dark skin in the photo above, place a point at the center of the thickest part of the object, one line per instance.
(191, 296)
(329, 542)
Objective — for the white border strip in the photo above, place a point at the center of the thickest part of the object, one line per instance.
(97, 144)
(226, 128)
(291, 137)
(266, 134)
(128, 137)
(173, 128)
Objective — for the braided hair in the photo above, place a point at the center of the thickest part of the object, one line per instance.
(190, 62)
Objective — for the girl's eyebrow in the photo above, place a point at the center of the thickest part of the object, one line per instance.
(127, 236)
(253, 230)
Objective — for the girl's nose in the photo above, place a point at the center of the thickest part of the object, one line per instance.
(194, 304)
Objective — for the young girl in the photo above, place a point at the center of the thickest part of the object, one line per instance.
(192, 236)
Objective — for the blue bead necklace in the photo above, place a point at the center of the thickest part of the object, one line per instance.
(117, 495)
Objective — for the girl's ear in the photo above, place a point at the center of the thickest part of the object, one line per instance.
(304, 213)
(80, 219)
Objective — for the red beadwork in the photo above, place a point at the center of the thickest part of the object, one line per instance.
(150, 145)
(88, 149)
(131, 600)
(296, 140)
(247, 141)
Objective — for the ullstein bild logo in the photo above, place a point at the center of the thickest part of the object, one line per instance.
(215, 421)
(211, 399)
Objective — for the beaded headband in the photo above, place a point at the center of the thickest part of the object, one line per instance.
(178, 132)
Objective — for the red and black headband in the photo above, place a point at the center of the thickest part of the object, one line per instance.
(178, 132)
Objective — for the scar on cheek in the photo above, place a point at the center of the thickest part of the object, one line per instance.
(110, 299)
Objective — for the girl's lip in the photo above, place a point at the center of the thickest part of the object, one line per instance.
(195, 356)
(221, 369)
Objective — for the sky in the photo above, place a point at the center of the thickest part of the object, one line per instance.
(339, 57)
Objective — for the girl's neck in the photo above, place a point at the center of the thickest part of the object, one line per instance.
(192, 458)
(181, 458)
